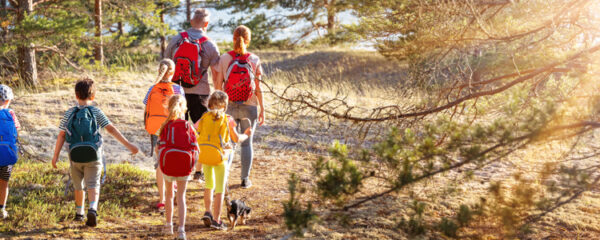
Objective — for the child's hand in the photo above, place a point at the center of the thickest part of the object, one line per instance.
(248, 131)
(133, 149)
(54, 163)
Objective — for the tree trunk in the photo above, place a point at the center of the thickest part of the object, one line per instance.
(121, 28)
(188, 10)
(98, 52)
(163, 40)
(3, 14)
(331, 12)
(26, 52)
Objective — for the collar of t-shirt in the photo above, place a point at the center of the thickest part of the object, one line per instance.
(82, 106)
(195, 33)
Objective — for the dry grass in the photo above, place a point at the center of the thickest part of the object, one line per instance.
(283, 145)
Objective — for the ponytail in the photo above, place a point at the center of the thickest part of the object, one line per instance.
(217, 103)
(166, 68)
(176, 107)
(241, 39)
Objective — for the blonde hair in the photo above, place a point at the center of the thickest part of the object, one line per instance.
(166, 68)
(241, 39)
(216, 101)
(176, 108)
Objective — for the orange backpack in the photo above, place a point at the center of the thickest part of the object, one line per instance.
(156, 108)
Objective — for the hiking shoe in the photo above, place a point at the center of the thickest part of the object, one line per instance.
(4, 214)
(168, 229)
(199, 176)
(78, 218)
(91, 218)
(218, 225)
(207, 219)
(246, 183)
(181, 235)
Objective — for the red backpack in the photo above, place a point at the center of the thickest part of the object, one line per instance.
(177, 148)
(239, 80)
(187, 61)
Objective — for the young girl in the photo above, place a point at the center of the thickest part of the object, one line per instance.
(176, 171)
(216, 166)
(156, 113)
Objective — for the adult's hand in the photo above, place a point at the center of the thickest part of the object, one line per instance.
(261, 117)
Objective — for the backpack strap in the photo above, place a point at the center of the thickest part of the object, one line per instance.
(236, 56)
(185, 36)
(203, 39)
(91, 108)
(70, 120)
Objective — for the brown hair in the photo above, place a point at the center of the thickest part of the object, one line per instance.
(241, 39)
(85, 89)
(218, 99)
(176, 108)
(166, 68)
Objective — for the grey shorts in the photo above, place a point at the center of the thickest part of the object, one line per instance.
(89, 173)
(154, 141)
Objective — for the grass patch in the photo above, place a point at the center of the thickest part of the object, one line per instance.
(37, 199)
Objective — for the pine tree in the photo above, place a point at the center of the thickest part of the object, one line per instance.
(531, 63)
(316, 14)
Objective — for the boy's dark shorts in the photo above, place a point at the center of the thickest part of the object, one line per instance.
(5, 172)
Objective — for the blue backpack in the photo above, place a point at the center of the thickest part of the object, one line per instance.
(83, 136)
(8, 139)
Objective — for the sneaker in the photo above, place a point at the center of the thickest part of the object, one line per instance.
(168, 229)
(218, 225)
(78, 218)
(91, 218)
(199, 176)
(207, 219)
(4, 214)
(246, 183)
(181, 235)
(161, 207)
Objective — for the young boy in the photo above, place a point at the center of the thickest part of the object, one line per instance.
(9, 126)
(85, 146)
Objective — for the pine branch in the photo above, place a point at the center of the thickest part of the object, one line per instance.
(313, 104)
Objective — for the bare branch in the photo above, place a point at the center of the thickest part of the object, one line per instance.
(60, 53)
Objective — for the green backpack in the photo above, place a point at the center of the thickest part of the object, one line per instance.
(83, 136)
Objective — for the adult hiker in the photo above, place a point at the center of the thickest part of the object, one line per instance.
(239, 76)
(193, 53)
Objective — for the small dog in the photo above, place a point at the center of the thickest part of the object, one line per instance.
(237, 209)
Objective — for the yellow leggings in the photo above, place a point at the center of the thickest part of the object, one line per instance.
(215, 174)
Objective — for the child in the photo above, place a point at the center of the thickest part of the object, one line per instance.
(8, 144)
(178, 151)
(216, 163)
(80, 127)
(156, 114)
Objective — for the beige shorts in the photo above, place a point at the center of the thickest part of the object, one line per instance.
(89, 173)
(174, 179)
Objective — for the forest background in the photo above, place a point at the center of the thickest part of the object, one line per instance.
(453, 119)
